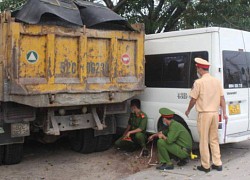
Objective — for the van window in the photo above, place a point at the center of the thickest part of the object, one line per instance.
(168, 70)
(175, 70)
(235, 69)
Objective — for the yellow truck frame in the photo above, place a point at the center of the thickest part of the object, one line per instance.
(57, 79)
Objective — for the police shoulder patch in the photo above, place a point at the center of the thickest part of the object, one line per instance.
(142, 115)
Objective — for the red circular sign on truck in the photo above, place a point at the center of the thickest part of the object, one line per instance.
(125, 59)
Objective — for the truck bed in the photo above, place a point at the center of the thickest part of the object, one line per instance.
(45, 65)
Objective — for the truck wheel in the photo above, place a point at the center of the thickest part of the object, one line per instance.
(13, 154)
(83, 141)
(89, 141)
(76, 140)
(1, 154)
(104, 142)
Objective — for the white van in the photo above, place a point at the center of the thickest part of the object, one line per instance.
(171, 72)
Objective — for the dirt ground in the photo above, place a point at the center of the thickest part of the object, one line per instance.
(58, 161)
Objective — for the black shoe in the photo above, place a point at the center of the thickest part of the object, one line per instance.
(165, 167)
(159, 166)
(201, 168)
(182, 162)
(218, 168)
(175, 158)
(145, 152)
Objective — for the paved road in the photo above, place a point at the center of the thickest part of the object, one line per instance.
(236, 164)
(58, 162)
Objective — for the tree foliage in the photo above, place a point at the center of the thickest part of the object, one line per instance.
(157, 15)
(11, 4)
(167, 15)
(223, 13)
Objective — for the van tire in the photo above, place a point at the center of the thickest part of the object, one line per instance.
(89, 141)
(104, 142)
(177, 118)
(181, 121)
(13, 154)
(1, 154)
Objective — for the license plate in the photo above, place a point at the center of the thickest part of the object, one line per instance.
(20, 129)
(234, 109)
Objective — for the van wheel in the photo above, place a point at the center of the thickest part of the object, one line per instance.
(1, 154)
(180, 120)
(83, 141)
(162, 127)
(104, 142)
(13, 154)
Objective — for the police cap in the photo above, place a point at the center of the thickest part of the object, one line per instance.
(202, 63)
(166, 113)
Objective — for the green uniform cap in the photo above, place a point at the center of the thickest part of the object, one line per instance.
(166, 112)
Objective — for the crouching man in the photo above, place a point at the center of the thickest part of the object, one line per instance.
(135, 133)
(176, 141)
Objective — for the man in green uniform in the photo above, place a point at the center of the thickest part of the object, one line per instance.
(176, 140)
(134, 135)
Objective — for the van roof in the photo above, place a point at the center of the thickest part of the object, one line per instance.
(187, 32)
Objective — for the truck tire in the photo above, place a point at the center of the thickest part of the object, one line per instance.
(104, 142)
(76, 140)
(13, 154)
(83, 141)
(1, 154)
(89, 141)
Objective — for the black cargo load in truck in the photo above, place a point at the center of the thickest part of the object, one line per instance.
(69, 12)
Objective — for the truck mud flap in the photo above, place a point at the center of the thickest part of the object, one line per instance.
(6, 138)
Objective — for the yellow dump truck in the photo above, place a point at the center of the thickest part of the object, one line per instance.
(57, 80)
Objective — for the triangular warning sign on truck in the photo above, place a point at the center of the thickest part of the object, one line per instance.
(32, 56)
